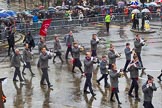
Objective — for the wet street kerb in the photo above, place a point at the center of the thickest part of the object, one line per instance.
(67, 89)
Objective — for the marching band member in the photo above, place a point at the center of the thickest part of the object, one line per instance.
(148, 89)
(104, 71)
(112, 55)
(114, 75)
(133, 68)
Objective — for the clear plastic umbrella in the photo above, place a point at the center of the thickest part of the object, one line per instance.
(146, 10)
(135, 11)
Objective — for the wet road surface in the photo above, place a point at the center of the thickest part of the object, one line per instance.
(68, 87)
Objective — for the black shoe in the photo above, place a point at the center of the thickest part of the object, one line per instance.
(98, 82)
(43, 84)
(131, 95)
(159, 78)
(23, 73)
(73, 71)
(15, 80)
(86, 92)
(111, 100)
(50, 86)
(137, 98)
(119, 102)
(53, 62)
(93, 94)
(33, 74)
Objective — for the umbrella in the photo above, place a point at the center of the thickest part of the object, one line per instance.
(11, 12)
(135, 11)
(134, 3)
(146, 10)
(133, 6)
(121, 4)
(152, 4)
(4, 15)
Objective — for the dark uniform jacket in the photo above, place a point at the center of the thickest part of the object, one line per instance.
(112, 57)
(15, 60)
(128, 53)
(27, 56)
(138, 46)
(88, 66)
(94, 44)
(103, 68)
(148, 92)
(69, 40)
(134, 69)
(43, 60)
(114, 78)
(76, 52)
(57, 46)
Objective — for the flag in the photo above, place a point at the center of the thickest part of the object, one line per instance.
(44, 27)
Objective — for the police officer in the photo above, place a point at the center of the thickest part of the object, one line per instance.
(88, 69)
(15, 62)
(43, 60)
(76, 57)
(104, 71)
(114, 75)
(27, 57)
(57, 48)
(69, 43)
(138, 43)
(134, 67)
(128, 53)
(107, 21)
(112, 55)
(94, 43)
(148, 89)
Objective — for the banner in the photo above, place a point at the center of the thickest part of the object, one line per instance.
(44, 27)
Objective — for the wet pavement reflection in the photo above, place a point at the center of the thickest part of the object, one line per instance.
(67, 89)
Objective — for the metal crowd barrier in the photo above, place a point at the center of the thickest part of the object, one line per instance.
(57, 25)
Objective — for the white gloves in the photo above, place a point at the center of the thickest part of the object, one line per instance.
(48, 52)
(97, 39)
(79, 46)
(92, 58)
(107, 67)
(24, 63)
(149, 85)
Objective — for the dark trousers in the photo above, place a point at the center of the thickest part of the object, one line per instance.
(69, 49)
(126, 65)
(28, 65)
(110, 66)
(139, 57)
(107, 26)
(88, 83)
(45, 76)
(58, 54)
(148, 104)
(104, 76)
(94, 53)
(116, 95)
(17, 73)
(134, 85)
(9, 48)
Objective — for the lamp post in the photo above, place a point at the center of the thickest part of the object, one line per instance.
(143, 21)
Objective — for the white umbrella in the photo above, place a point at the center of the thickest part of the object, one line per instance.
(135, 11)
(145, 10)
